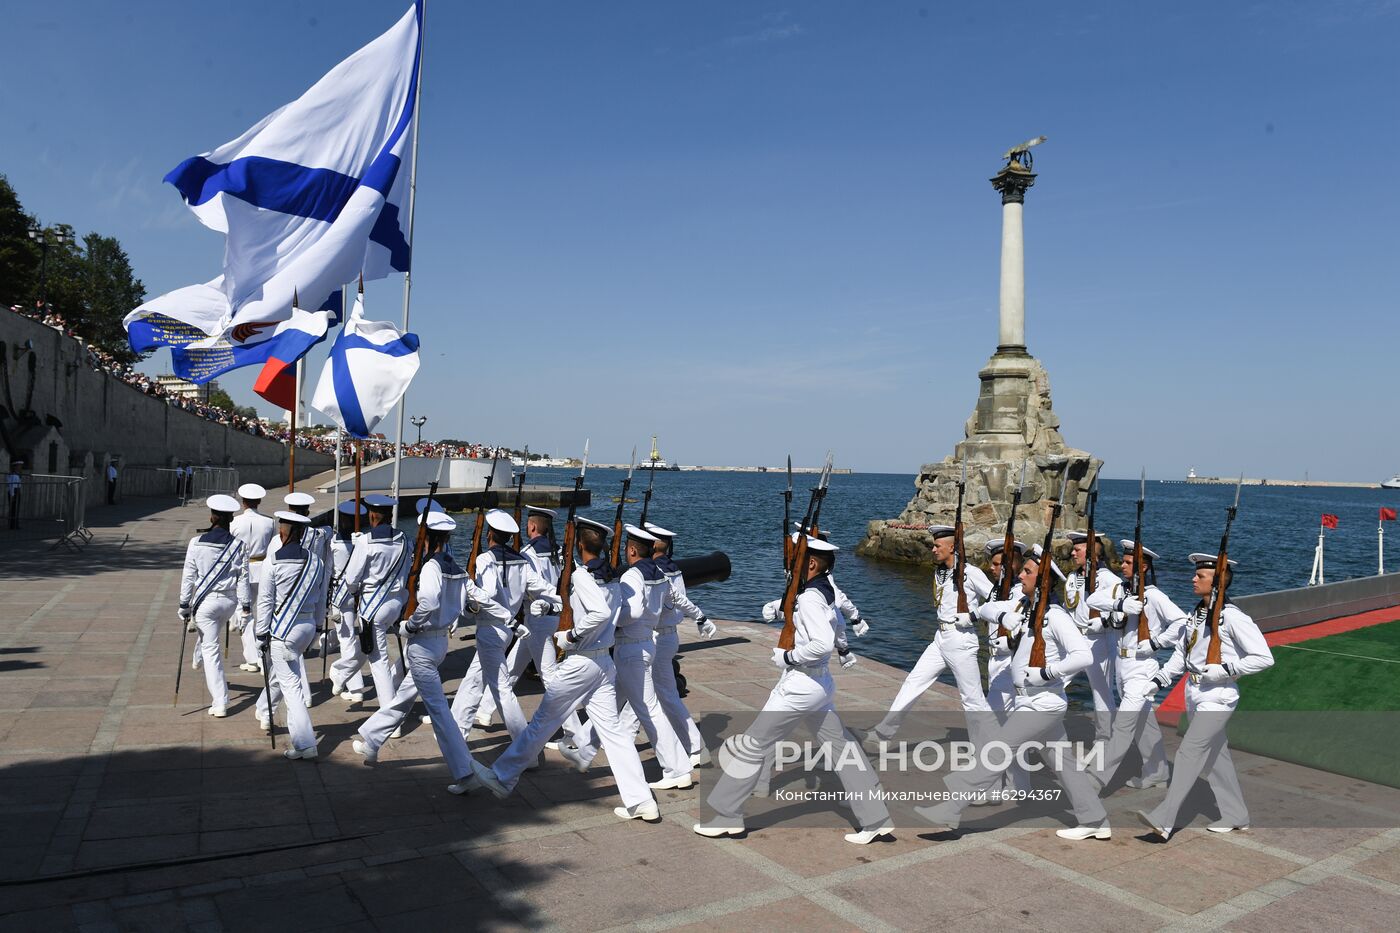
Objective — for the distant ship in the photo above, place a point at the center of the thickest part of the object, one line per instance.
(1392, 483)
(654, 462)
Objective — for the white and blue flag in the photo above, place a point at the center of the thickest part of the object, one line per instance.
(366, 374)
(311, 197)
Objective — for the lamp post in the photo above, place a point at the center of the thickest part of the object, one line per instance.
(44, 237)
(418, 421)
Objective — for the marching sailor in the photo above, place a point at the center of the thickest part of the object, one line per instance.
(256, 531)
(1211, 696)
(1001, 690)
(1039, 714)
(846, 611)
(214, 584)
(676, 607)
(347, 671)
(292, 586)
(1137, 665)
(804, 693)
(507, 577)
(372, 589)
(1102, 642)
(586, 677)
(315, 538)
(445, 591)
(954, 646)
(541, 550)
(643, 592)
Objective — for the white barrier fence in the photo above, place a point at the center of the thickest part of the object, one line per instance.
(47, 506)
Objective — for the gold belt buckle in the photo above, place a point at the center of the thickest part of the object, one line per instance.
(1122, 652)
(1195, 679)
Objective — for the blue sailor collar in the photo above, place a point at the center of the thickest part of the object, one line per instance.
(291, 551)
(541, 545)
(823, 585)
(666, 564)
(600, 568)
(649, 571)
(380, 532)
(216, 535)
(447, 564)
(505, 553)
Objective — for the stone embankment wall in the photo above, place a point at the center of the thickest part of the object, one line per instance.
(99, 417)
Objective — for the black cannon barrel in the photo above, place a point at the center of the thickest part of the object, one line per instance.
(709, 568)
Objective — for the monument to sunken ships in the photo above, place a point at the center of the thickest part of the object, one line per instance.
(1012, 424)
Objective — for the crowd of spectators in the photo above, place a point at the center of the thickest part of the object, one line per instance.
(318, 439)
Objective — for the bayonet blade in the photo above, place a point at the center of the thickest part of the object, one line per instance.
(441, 463)
(1142, 486)
(633, 465)
(584, 468)
(1024, 464)
(1237, 491)
(789, 468)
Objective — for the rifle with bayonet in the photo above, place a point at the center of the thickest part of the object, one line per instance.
(615, 550)
(646, 499)
(797, 563)
(959, 556)
(566, 572)
(1144, 631)
(420, 554)
(787, 516)
(520, 495)
(1091, 551)
(1008, 548)
(1217, 584)
(481, 517)
(1043, 582)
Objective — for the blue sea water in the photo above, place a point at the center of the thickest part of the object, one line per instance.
(741, 514)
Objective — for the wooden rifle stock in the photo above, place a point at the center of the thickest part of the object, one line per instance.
(1044, 577)
(797, 567)
(959, 555)
(1144, 631)
(420, 552)
(615, 548)
(566, 572)
(1217, 592)
(1008, 548)
(1091, 552)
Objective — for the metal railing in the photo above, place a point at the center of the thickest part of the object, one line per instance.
(49, 506)
(171, 482)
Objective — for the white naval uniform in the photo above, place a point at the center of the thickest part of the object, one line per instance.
(534, 646)
(215, 574)
(805, 693)
(675, 608)
(282, 574)
(1040, 711)
(1204, 750)
(1001, 692)
(258, 533)
(1102, 643)
(506, 577)
(643, 592)
(586, 677)
(444, 592)
(953, 647)
(317, 538)
(374, 586)
(347, 670)
(1134, 722)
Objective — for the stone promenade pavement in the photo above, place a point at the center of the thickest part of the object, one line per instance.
(119, 811)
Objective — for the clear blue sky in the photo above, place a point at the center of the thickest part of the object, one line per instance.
(769, 229)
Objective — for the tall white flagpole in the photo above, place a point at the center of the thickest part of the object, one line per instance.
(1380, 548)
(339, 431)
(408, 276)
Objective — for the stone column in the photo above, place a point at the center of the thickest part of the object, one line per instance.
(1012, 182)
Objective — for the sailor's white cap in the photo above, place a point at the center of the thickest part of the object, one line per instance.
(440, 521)
(605, 529)
(292, 518)
(349, 508)
(377, 500)
(1126, 546)
(634, 532)
(995, 546)
(941, 531)
(251, 491)
(299, 498)
(222, 503)
(1034, 554)
(797, 527)
(1198, 559)
(501, 520)
(539, 510)
(659, 531)
(817, 544)
(1075, 537)
(433, 506)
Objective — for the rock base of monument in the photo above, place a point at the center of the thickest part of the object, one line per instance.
(1013, 424)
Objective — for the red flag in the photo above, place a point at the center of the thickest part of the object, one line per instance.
(278, 383)
(1387, 515)
(1329, 521)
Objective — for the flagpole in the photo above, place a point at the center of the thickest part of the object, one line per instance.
(1380, 548)
(412, 197)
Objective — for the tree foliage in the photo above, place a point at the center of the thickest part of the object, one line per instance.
(90, 283)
